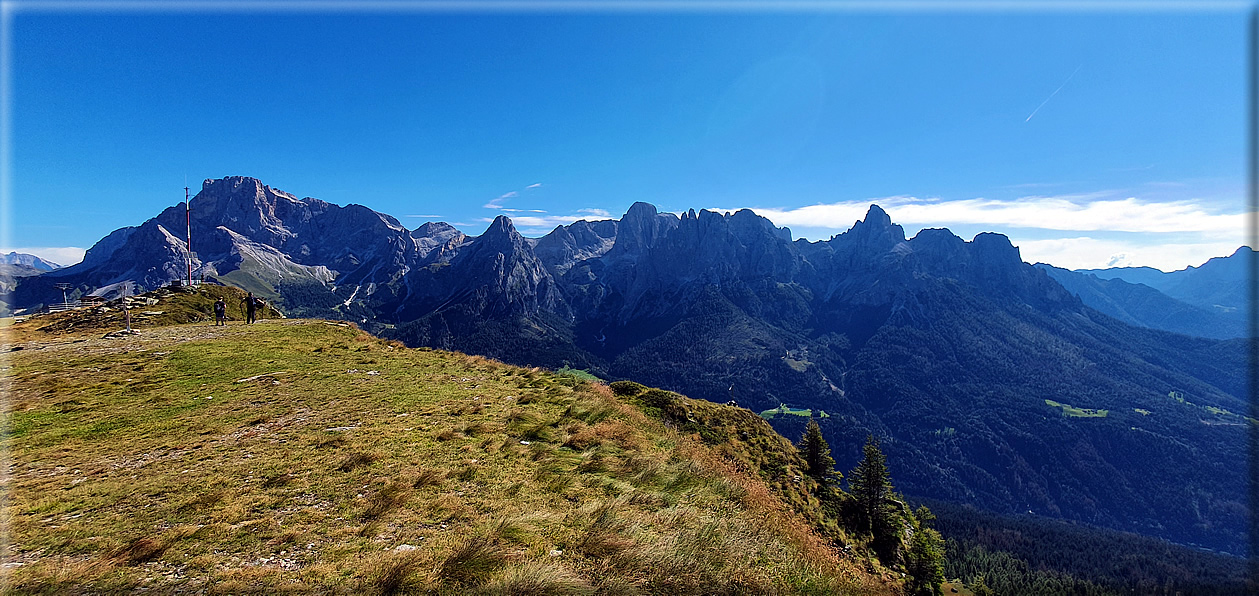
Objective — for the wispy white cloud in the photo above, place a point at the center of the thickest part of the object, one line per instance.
(507, 210)
(1088, 230)
(537, 225)
(61, 255)
(1084, 213)
(498, 203)
(1086, 252)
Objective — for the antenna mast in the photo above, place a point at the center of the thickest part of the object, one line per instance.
(188, 221)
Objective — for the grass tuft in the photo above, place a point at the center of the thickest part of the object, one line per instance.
(606, 535)
(447, 434)
(277, 480)
(429, 477)
(388, 498)
(331, 442)
(149, 548)
(473, 559)
(394, 571)
(204, 500)
(357, 459)
(537, 579)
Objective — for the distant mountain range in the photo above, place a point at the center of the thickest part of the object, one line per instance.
(1207, 301)
(15, 265)
(990, 381)
(31, 261)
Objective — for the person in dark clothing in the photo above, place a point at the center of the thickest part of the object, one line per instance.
(251, 308)
(220, 312)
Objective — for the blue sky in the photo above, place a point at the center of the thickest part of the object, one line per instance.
(1090, 138)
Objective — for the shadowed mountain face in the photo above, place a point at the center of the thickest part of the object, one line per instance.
(1197, 313)
(987, 381)
(1218, 285)
(1207, 301)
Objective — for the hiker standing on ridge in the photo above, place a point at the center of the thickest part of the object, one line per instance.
(251, 307)
(220, 312)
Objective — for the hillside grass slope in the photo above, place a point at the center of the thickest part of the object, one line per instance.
(296, 456)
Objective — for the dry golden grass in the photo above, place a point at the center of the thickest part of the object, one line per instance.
(148, 463)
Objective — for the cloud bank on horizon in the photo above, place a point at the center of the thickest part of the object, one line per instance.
(1061, 213)
(1080, 231)
(1076, 231)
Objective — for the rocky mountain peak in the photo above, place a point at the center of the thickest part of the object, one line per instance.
(501, 225)
(996, 248)
(640, 211)
(876, 216)
(876, 231)
(565, 246)
(241, 189)
(248, 207)
(501, 236)
(434, 228)
(746, 219)
(640, 228)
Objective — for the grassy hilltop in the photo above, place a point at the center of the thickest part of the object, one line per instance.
(308, 456)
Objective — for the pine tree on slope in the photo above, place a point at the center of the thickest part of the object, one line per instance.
(817, 455)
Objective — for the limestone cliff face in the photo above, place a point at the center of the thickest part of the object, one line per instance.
(494, 275)
(568, 245)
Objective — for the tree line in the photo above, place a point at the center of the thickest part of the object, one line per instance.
(872, 511)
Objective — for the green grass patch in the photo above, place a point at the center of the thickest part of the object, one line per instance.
(797, 365)
(1074, 412)
(783, 410)
(578, 374)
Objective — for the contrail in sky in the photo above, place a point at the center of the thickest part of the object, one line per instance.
(1051, 95)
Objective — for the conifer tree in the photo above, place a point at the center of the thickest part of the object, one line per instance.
(925, 559)
(871, 486)
(817, 455)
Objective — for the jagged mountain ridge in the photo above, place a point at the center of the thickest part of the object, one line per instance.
(949, 350)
